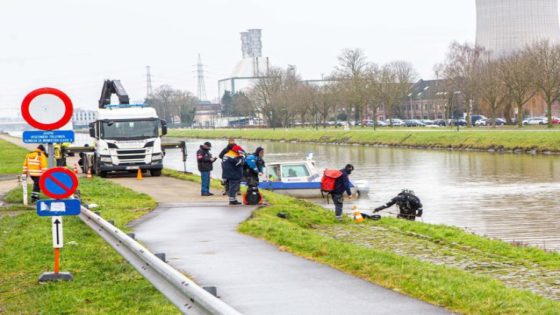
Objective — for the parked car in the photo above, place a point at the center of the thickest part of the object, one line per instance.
(457, 122)
(488, 122)
(475, 118)
(396, 122)
(428, 122)
(371, 123)
(440, 122)
(414, 123)
(555, 120)
(535, 121)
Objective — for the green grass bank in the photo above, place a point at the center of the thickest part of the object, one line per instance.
(104, 283)
(442, 265)
(539, 141)
(11, 158)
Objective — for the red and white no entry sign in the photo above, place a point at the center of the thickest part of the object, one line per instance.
(44, 121)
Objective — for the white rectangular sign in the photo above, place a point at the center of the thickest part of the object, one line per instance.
(58, 240)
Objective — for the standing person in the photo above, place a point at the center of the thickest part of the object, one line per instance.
(342, 185)
(408, 203)
(230, 145)
(254, 167)
(34, 165)
(232, 172)
(60, 153)
(205, 163)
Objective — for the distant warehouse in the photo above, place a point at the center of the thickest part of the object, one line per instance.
(82, 118)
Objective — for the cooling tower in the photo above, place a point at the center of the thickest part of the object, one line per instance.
(504, 26)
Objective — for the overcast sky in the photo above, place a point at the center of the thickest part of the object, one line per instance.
(74, 45)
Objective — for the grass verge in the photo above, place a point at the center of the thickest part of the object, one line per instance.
(104, 283)
(525, 140)
(11, 158)
(308, 233)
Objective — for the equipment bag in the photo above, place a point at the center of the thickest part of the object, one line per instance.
(328, 181)
(252, 196)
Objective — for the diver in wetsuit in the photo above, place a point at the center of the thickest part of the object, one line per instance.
(408, 203)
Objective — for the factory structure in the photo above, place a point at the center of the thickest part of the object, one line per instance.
(506, 26)
(252, 65)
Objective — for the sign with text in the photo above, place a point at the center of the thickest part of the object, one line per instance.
(56, 136)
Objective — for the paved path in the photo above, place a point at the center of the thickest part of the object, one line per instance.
(255, 277)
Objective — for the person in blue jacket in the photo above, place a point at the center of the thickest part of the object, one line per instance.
(341, 186)
(254, 167)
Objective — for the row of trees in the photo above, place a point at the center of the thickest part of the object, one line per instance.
(174, 105)
(357, 89)
(504, 84)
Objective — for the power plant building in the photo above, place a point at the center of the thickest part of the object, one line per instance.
(506, 26)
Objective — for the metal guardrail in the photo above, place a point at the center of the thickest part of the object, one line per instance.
(181, 291)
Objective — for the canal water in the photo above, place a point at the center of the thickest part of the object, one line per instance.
(505, 196)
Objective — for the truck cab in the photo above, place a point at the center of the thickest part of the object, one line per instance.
(127, 138)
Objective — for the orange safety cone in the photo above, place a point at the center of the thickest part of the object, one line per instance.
(358, 218)
(139, 174)
(89, 174)
(76, 168)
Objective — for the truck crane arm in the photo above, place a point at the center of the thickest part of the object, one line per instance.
(111, 87)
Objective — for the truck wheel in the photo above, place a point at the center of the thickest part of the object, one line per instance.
(155, 173)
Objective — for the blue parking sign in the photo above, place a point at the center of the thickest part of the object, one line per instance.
(50, 208)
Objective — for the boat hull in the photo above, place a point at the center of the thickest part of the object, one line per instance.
(306, 190)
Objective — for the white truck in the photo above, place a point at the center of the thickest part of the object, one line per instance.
(127, 137)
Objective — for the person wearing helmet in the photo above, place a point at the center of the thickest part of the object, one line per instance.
(408, 203)
(232, 171)
(34, 165)
(342, 185)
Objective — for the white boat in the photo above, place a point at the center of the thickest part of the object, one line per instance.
(301, 179)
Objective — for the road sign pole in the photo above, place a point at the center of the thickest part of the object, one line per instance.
(50, 148)
(62, 185)
(58, 243)
(56, 260)
(24, 188)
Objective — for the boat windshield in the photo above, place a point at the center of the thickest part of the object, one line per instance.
(294, 170)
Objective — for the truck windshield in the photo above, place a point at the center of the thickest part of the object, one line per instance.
(131, 130)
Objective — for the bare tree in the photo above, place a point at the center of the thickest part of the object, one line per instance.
(327, 98)
(161, 101)
(462, 69)
(492, 90)
(395, 81)
(264, 96)
(352, 64)
(519, 80)
(545, 60)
